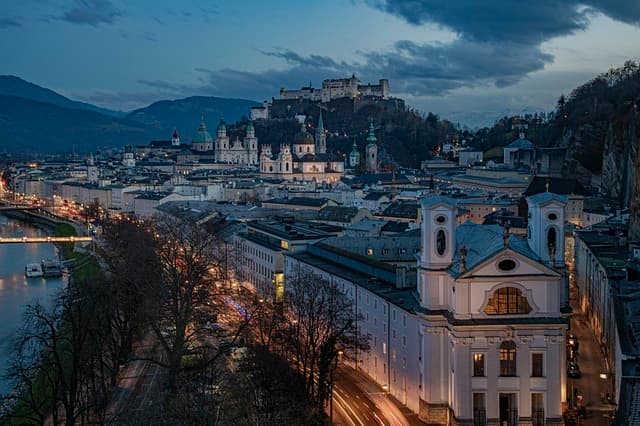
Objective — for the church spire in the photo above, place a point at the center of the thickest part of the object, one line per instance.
(371, 139)
(321, 137)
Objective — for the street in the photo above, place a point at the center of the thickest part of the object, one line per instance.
(590, 385)
(359, 401)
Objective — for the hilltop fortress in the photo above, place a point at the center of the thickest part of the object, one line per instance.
(338, 88)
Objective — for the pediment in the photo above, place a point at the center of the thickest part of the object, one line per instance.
(509, 263)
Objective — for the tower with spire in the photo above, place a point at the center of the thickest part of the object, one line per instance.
(321, 137)
(175, 139)
(371, 150)
(354, 156)
(222, 142)
(251, 144)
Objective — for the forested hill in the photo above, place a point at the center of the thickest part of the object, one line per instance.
(597, 111)
(405, 136)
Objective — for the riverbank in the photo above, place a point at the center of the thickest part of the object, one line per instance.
(82, 266)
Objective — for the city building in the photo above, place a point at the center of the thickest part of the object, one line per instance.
(477, 336)
(243, 152)
(302, 161)
(259, 250)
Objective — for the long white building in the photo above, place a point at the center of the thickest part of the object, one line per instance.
(480, 340)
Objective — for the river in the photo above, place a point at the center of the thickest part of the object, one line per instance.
(16, 290)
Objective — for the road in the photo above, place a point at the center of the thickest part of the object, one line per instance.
(358, 401)
(590, 386)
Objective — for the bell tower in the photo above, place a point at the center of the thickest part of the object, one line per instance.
(321, 137)
(545, 228)
(371, 150)
(438, 248)
(251, 144)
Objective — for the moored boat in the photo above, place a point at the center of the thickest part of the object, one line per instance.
(51, 268)
(33, 270)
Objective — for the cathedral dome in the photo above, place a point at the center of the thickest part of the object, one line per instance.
(202, 136)
(303, 137)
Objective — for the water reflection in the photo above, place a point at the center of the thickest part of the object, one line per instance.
(16, 290)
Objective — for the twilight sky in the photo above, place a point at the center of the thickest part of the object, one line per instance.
(470, 61)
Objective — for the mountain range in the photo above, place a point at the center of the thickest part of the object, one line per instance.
(37, 119)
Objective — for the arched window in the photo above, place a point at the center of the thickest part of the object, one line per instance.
(508, 358)
(507, 301)
(441, 242)
(551, 242)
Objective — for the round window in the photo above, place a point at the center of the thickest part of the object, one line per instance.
(552, 216)
(441, 219)
(507, 265)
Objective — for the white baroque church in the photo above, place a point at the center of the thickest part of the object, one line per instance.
(306, 160)
(227, 151)
(480, 339)
(494, 317)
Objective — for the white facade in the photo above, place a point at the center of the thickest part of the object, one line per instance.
(485, 341)
(236, 152)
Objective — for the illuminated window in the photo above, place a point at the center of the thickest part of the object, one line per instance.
(369, 252)
(478, 365)
(507, 301)
(508, 358)
(284, 244)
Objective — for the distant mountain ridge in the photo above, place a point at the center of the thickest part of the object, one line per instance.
(186, 114)
(33, 126)
(37, 119)
(10, 85)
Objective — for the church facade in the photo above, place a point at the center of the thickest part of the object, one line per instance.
(226, 151)
(479, 339)
(305, 160)
(495, 315)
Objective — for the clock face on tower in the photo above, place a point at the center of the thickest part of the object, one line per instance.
(441, 242)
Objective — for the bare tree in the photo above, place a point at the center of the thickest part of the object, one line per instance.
(56, 366)
(322, 325)
(189, 260)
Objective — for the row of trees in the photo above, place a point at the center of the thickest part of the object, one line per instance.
(166, 283)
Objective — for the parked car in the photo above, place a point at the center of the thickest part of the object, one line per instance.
(573, 370)
(572, 354)
(572, 341)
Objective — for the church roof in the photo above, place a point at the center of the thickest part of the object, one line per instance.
(303, 137)
(564, 186)
(521, 143)
(438, 199)
(202, 135)
(546, 197)
(483, 242)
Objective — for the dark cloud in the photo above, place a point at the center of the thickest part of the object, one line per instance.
(92, 12)
(295, 59)
(528, 22)
(9, 23)
(498, 44)
(433, 69)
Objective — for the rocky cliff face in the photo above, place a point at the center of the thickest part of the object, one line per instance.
(620, 153)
